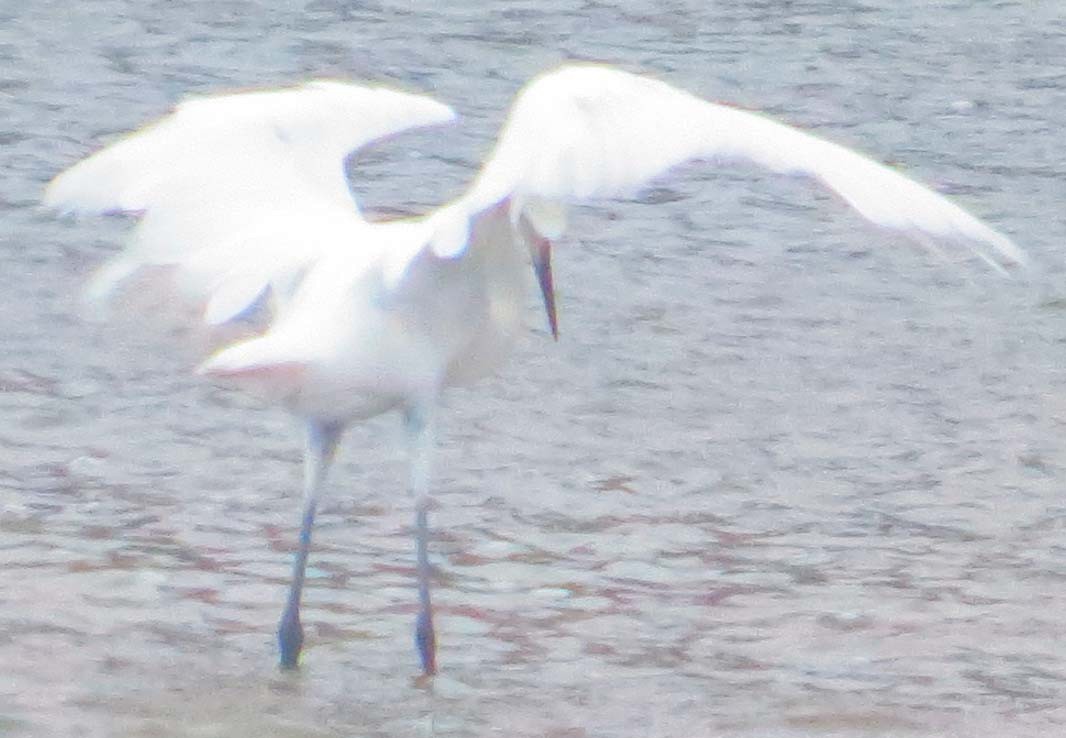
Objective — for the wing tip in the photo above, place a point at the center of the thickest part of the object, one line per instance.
(59, 195)
(430, 110)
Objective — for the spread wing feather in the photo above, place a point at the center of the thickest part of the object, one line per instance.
(587, 131)
(238, 187)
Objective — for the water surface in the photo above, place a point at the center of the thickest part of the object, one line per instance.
(782, 476)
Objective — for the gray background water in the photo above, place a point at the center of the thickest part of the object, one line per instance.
(782, 476)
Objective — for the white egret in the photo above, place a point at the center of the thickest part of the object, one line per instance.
(245, 197)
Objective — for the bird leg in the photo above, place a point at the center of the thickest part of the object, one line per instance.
(321, 443)
(421, 435)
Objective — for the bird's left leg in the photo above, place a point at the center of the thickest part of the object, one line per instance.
(322, 438)
(419, 421)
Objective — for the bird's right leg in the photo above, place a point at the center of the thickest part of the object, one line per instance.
(421, 430)
(322, 438)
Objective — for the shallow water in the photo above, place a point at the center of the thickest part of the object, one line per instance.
(782, 476)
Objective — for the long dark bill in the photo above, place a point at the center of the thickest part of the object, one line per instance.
(540, 252)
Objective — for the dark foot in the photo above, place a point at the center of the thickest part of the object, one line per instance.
(290, 639)
(426, 640)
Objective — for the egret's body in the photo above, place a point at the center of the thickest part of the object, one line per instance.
(350, 347)
(370, 317)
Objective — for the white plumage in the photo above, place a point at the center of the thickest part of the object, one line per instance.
(245, 196)
(239, 186)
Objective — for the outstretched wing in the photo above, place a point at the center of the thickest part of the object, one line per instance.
(241, 191)
(587, 131)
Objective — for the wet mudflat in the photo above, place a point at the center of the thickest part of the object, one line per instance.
(782, 476)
